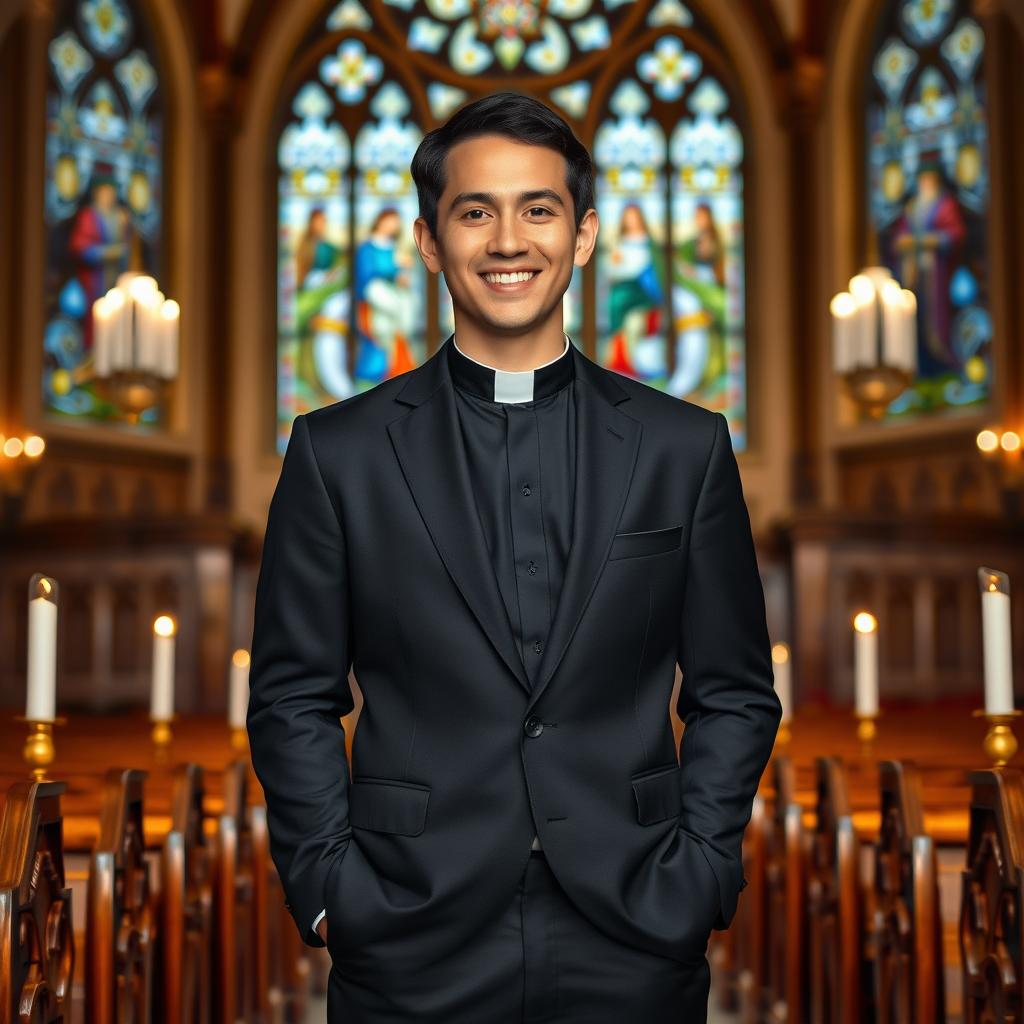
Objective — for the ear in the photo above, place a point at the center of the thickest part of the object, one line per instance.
(427, 245)
(586, 238)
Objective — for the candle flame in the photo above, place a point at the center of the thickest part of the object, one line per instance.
(164, 625)
(1010, 441)
(13, 447)
(842, 305)
(170, 310)
(987, 441)
(34, 446)
(240, 657)
(780, 653)
(865, 622)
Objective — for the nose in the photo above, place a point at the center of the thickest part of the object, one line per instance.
(506, 240)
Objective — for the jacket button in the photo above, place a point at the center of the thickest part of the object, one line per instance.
(533, 726)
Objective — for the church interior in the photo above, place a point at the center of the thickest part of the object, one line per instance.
(819, 199)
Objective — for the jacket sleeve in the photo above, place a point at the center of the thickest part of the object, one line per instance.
(727, 696)
(298, 682)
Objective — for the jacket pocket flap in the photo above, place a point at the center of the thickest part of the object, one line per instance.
(646, 542)
(388, 805)
(658, 794)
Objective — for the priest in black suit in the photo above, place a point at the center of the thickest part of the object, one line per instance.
(513, 548)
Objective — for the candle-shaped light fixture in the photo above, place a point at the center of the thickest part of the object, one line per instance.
(865, 665)
(162, 697)
(41, 699)
(997, 640)
(238, 698)
(865, 658)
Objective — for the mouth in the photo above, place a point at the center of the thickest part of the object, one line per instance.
(510, 281)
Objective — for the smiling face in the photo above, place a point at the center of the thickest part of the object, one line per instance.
(506, 239)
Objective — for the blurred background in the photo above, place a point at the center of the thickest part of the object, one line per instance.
(811, 216)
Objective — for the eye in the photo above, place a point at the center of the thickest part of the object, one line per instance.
(541, 210)
(469, 214)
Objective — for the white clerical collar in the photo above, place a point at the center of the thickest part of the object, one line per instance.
(512, 385)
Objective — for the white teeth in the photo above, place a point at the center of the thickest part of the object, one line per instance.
(523, 275)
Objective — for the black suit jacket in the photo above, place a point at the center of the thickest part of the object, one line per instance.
(374, 560)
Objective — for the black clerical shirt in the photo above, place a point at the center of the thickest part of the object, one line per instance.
(519, 430)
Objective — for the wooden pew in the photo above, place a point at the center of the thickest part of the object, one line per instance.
(834, 903)
(36, 935)
(186, 882)
(235, 945)
(120, 908)
(904, 926)
(991, 911)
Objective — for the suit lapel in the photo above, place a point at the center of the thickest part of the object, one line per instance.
(429, 447)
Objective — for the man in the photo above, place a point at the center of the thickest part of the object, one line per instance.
(512, 547)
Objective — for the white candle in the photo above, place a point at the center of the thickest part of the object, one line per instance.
(102, 327)
(865, 660)
(41, 699)
(997, 640)
(893, 317)
(238, 690)
(162, 697)
(863, 292)
(910, 329)
(170, 314)
(843, 308)
(783, 679)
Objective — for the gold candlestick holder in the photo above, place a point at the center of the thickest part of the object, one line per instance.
(239, 739)
(39, 752)
(1000, 744)
(162, 735)
(866, 732)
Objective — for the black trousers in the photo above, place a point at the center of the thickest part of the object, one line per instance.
(541, 961)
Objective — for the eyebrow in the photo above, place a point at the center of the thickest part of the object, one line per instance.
(490, 199)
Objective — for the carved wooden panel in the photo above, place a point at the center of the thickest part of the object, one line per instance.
(904, 933)
(834, 903)
(184, 993)
(120, 914)
(37, 942)
(990, 908)
(235, 947)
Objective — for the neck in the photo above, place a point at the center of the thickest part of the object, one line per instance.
(513, 352)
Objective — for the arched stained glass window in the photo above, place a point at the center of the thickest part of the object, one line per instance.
(642, 85)
(351, 287)
(928, 192)
(104, 188)
(670, 263)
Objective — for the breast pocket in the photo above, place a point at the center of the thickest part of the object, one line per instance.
(646, 542)
(388, 805)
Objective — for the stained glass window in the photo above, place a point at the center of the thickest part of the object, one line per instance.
(103, 191)
(663, 300)
(928, 192)
(670, 266)
(351, 286)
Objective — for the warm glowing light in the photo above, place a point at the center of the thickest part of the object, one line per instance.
(780, 653)
(170, 310)
(13, 447)
(240, 657)
(843, 304)
(1010, 441)
(987, 440)
(34, 446)
(164, 625)
(142, 288)
(862, 288)
(865, 622)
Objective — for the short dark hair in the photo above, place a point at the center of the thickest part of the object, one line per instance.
(515, 116)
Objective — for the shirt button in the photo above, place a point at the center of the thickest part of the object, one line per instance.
(526, 489)
(533, 569)
(533, 726)
(537, 647)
